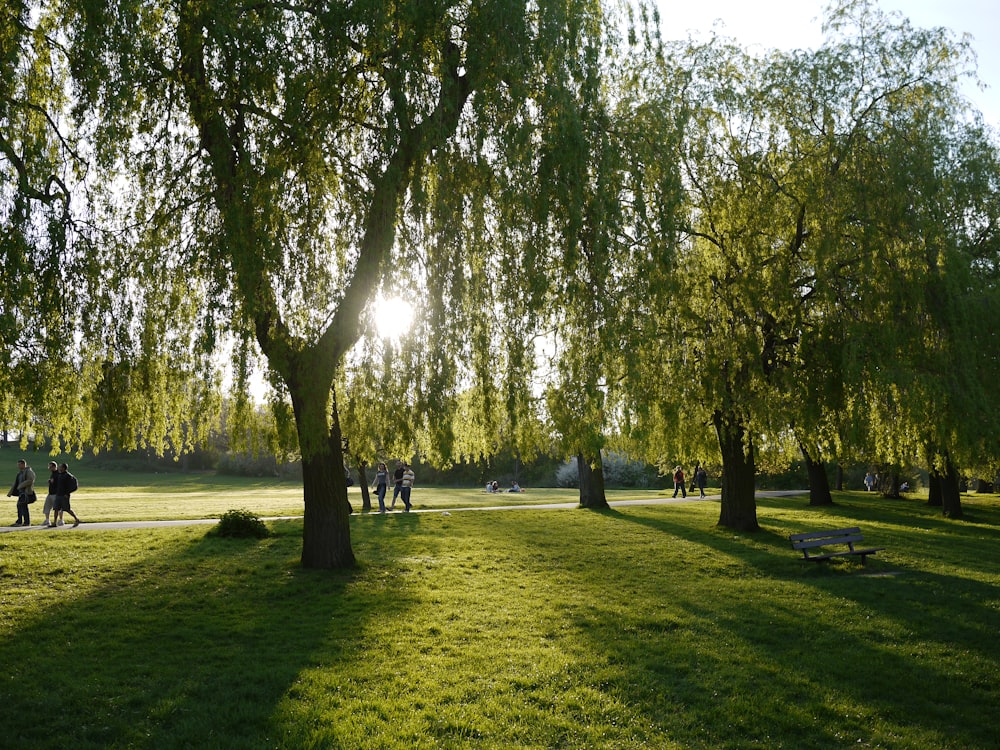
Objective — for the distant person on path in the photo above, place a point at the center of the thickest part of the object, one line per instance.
(694, 477)
(701, 479)
(408, 478)
(381, 486)
(24, 490)
(679, 482)
(397, 479)
(65, 486)
(869, 482)
(50, 499)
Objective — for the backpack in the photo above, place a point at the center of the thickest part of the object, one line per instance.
(73, 484)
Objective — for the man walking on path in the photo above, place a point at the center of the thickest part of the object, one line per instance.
(24, 490)
(397, 478)
(679, 482)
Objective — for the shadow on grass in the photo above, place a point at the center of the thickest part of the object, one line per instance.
(869, 659)
(194, 644)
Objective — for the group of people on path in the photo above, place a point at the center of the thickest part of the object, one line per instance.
(62, 485)
(698, 480)
(402, 480)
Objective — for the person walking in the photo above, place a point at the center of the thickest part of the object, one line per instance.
(679, 482)
(701, 479)
(24, 490)
(381, 485)
(397, 481)
(408, 478)
(65, 486)
(50, 498)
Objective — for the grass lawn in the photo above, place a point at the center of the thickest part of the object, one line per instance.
(143, 497)
(639, 627)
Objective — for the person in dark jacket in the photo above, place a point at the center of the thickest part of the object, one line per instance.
(24, 490)
(65, 485)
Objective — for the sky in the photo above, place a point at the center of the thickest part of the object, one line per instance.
(787, 24)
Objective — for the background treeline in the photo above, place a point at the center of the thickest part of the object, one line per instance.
(620, 472)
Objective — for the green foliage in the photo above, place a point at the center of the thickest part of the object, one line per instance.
(817, 296)
(241, 524)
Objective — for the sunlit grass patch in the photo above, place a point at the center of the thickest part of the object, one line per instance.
(633, 628)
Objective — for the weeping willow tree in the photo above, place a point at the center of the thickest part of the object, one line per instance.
(250, 165)
(797, 240)
(930, 385)
(36, 176)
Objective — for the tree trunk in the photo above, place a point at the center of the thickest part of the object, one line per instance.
(591, 482)
(840, 478)
(366, 498)
(888, 483)
(739, 504)
(326, 530)
(934, 493)
(819, 483)
(951, 497)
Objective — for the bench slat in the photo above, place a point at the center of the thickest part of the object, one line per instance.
(820, 534)
(809, 544)
(813, 540)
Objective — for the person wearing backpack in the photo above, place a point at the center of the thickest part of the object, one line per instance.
(66, 485)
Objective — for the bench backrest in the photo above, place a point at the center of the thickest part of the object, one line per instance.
(810, 539)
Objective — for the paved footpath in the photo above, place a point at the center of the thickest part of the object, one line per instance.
(545, 506)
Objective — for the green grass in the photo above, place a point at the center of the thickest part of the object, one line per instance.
(144, 497)
(640, 627)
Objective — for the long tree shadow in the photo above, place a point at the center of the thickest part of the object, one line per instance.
(193, 644)
(675, 647)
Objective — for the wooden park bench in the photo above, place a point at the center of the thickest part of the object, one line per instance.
(813, 542)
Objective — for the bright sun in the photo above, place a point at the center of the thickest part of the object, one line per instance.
(393, 317)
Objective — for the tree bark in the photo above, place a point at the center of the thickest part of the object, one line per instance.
(592, 493)
(739, 504)
(366, 498)
(326, 530)
(934, 493)
(840, 478)
(951, 497)
(819, 483)
(888, 483)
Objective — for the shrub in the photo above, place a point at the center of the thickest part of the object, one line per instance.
(619, 471)
(241, 524)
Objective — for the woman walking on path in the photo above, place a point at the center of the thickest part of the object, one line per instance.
(407, 485)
